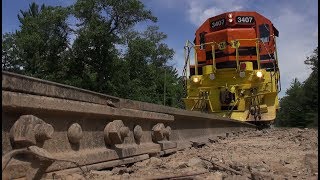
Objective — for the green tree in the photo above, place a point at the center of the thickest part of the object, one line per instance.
(299, 107)
(43, 41)
(174, 88)
(291, 108)
(149, 76)
(107, 55)
(10, 54)
(95, 56)
(311, 89)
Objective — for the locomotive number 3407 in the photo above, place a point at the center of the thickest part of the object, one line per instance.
(217, 23)
(245, 19)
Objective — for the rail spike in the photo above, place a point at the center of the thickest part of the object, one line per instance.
(115, 132)
(137, 133)
(160, 132)
(28, 130)
(75, 133)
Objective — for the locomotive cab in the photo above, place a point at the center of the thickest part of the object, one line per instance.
(235, 72)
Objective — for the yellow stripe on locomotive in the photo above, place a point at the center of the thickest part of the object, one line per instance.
(235, 72)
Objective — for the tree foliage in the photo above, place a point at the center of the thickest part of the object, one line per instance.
(149, 77)
(102, 52)
(299, 108)
(10, 53)
(102, 22)
(43, 41)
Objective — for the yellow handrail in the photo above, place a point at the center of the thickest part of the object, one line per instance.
(258, 54)
(195, 62)
(237, 58)
(204, 44)
(248, 39)
(213, 59)
(186, 70)
(275, 49)
(236, 44)
(213, 43)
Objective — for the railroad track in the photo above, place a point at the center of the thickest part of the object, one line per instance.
(50, 128)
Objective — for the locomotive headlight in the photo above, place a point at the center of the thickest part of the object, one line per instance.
(230, 20)
(196, 79)
(230, 15)
(259, 74)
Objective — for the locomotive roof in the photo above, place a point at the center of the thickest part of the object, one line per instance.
(236, 13)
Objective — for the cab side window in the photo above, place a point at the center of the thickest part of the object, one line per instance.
(264, 32)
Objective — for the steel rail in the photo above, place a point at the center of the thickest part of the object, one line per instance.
(91, 130)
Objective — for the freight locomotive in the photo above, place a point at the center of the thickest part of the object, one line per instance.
(235, 72)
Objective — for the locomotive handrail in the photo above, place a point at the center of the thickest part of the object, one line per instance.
(213, 45)
(195, 63)
(187, 57)
(276, 59)
(213, 58)
(213, 42)
(258, 54)
(237, 57)
(186, 68)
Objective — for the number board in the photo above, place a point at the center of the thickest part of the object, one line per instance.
(245, 19)
(218, 23)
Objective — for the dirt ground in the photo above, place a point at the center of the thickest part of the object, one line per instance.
(266, 154)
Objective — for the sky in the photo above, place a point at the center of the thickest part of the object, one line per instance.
(296, 20)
